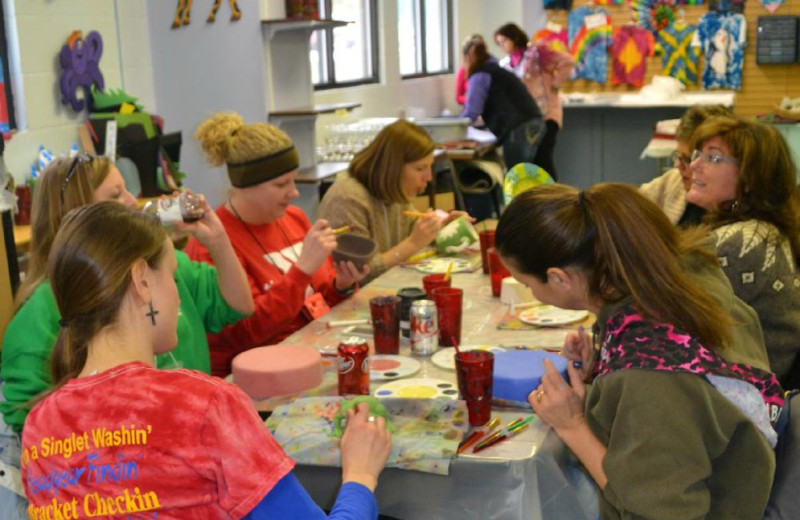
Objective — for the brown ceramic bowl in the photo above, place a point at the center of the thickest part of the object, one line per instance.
(354, 248)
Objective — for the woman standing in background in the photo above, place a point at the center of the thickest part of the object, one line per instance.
(543, 67)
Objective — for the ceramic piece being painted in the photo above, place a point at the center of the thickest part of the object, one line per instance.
(80, 63)
(182, 14)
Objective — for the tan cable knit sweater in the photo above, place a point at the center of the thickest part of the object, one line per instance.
(668, 192)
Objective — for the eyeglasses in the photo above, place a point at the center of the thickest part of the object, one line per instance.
(677, 156)
(713, 158)
(80, 158)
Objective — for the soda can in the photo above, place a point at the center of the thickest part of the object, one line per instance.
(424, 333)
(353, 364)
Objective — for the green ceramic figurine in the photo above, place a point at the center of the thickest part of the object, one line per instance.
(375, 408)
(456, 236)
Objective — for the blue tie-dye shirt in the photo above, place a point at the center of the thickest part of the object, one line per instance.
(722, 38)
(589, 36)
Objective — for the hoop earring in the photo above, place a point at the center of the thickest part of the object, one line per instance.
(152, 314)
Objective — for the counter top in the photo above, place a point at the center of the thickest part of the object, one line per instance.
(637, 100)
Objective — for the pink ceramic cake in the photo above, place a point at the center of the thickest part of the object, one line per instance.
(277, 370)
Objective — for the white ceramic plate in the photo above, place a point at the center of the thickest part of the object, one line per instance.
(549, 316)
(386, 367)
(439, 265)
(446, 357)
(418, 388)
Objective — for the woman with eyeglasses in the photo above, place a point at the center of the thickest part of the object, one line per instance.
(210, 297)
(117, 438)
(669, 190)
(676, 422)
(743, 175)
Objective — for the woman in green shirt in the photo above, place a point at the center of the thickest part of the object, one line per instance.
(211, 297)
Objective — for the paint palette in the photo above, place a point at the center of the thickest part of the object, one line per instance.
(440, 265)
(549, 316)
(446, 357)
(418, 388)
(385, 367)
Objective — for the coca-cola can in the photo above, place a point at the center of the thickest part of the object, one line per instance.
(424, 334)
(353, 362)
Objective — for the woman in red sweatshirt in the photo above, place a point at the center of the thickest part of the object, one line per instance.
(287, 260)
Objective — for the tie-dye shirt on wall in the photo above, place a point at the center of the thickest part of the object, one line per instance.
(589, 36)
(722, 38)
(678, 56)
(630, 48)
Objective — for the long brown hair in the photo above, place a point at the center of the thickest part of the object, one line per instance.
(475, 49)
(767, 176)
(622, 242)
(90, 271)
(379, 166)
(53, 197)
(514, 33)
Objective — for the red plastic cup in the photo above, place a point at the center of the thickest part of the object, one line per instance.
(449, 302)
(434, 281)
(497, 271)
(385, 312)
(474, 370)
(487, 242)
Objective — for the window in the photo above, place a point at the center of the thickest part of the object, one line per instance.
(345, 56)
(425, 37)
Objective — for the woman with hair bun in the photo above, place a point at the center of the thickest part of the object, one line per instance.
(680, 401)
(292, 277)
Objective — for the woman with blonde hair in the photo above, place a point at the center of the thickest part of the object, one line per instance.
(675, 409)
(287, 260)
(376, 192)
(210, 297)
(170, 444)
(743, 175)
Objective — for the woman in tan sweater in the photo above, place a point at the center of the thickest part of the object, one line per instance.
(380, 183)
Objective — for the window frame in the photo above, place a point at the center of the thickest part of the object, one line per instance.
(374, 44)
(8, 80)
(423, 43)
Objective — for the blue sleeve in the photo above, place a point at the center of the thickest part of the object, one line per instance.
(477, 90)
(289, 500)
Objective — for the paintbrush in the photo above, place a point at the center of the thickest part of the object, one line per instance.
(477, 434)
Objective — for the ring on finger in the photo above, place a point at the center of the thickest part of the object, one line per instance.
(371, 418)
(539, 396)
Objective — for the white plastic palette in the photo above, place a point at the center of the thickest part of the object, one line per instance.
(440, 265)
(385, 367)
(446, 357)
(549, 316)
(418, 388)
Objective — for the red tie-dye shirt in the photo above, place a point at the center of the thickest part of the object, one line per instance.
(136, 442)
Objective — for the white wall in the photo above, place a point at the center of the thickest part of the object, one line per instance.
(203, 68)
(43, 27)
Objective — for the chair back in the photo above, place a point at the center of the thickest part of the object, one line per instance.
(784, 500)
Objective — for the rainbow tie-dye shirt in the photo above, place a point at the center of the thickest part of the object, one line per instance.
(679, 57)
(589, 36)
(722, 37)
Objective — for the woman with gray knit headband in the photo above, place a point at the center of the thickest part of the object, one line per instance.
(287, 260)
